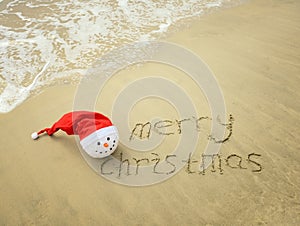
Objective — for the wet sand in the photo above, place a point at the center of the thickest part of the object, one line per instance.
(254, 52)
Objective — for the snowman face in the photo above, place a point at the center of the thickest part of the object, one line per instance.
(106, 146)
(103, 146)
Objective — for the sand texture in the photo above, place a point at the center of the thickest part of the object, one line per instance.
(254, 52)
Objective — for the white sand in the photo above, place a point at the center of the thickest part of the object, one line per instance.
(254, 51)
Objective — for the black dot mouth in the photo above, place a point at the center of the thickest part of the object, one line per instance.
(98, 143)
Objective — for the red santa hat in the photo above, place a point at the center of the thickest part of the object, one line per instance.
(98, 136)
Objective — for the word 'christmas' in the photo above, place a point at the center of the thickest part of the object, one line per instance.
(132, 166)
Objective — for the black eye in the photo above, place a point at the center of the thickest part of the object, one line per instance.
(108, 138)
(98, 143)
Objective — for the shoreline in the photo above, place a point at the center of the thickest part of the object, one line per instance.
(253, 50)
(68, 73)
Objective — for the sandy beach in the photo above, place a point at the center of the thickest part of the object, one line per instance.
(254, 52)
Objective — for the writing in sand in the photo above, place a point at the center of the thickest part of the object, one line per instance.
(167, 165)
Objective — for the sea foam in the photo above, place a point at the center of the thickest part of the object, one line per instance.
(48, 42)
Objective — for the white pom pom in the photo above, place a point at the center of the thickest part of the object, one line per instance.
(34, 136)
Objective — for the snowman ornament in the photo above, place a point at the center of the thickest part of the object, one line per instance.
(99, 138)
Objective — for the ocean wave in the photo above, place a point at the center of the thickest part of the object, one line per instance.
(44, 42)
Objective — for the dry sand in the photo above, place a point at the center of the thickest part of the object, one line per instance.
(254, 51)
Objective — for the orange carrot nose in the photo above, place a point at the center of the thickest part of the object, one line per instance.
(105, 145)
